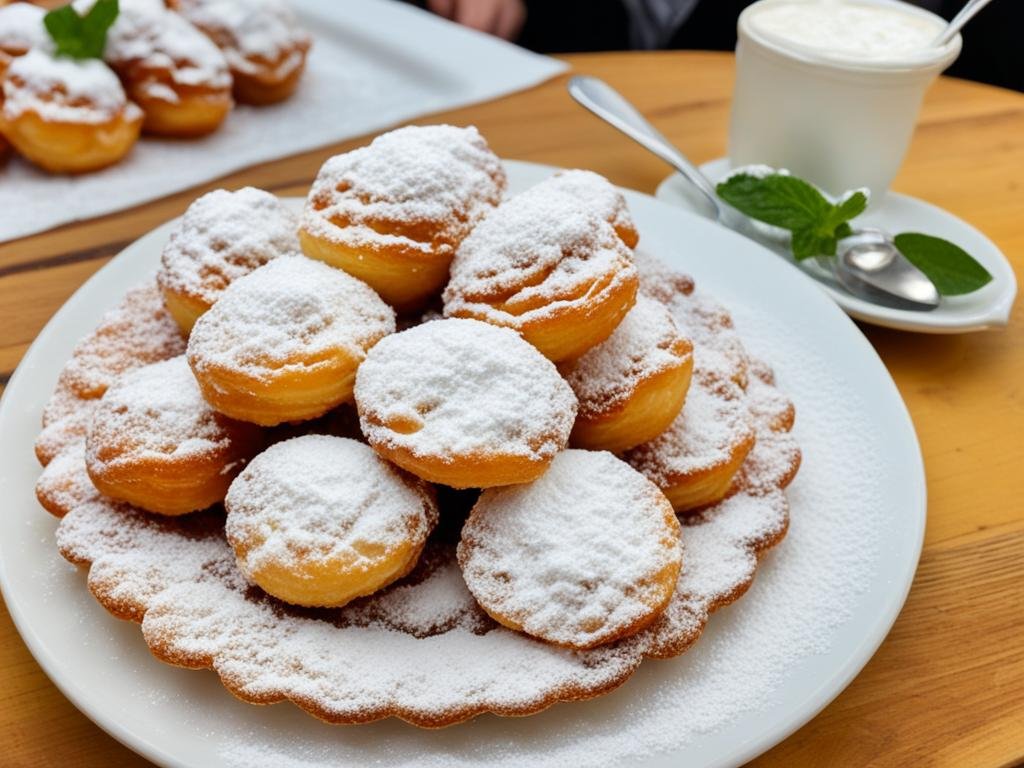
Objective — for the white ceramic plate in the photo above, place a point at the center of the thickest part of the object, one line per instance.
(984, 309)
(822, 602)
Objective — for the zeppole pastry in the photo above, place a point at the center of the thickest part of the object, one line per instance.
(694, 461)
(283, 343)
(261, 39)
(394, 212)
(631, 386)
(222, 237)
(174, 72)
(21, 29)
(464, 403)
(585, 555)
(549, 265)
(155, 443)
(321, 520)
(65, 115)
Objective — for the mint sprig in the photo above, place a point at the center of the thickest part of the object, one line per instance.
(817, 225)
(81, 37)
(793, 204)
(949, 266)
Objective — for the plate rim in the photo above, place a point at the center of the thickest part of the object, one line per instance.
(826, 691)
(993, 317)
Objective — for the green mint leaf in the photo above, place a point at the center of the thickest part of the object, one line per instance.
(793, 204)
(950, 267)
(81, 37)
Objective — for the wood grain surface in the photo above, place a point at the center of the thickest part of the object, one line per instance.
(947, 686)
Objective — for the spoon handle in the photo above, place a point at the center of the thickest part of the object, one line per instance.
(608, 104)
(957, 23)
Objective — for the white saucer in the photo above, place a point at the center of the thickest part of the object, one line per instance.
(978, 311)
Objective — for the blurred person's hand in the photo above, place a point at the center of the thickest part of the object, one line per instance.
(503, 18)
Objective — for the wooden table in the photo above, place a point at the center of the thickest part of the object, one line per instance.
(947, 686)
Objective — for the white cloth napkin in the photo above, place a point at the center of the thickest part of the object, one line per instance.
(374, 63)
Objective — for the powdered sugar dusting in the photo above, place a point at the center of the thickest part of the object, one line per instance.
(289, 310)
(464, 388)
(538, 252)
(708, 432)
(418, 189)
(148, 36)
(249, 32)
(223, 236)
(578, 557)
(21, 29)
(60, 89)
(322, 499)
(155, 413)
(645, 344)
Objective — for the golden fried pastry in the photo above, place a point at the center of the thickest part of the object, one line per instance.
(602, 198)
(283, 343)
(694, 461)
(464, 403)
(549, 265)
(173, 71)
(67, 116)
(222, 237)
(321, 520)
(21, 29)
(708, 325)
(632, 385)
(394, 212)
(64, 484)
(261, 39)
(155, 443)
(587, 554)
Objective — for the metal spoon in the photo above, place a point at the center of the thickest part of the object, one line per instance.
(869, 267)
(957, 23)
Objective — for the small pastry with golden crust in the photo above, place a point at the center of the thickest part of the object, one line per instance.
(21, 30)
(173, 71)
(464, 403)
(155, 443)
(261, 39)
(393, 213)
(548, 264)
(632, 385)
(222, 236)
(695, 460)
(320, 520)
(67, 116)
(600, 196)
(586, 555)
(283, 343)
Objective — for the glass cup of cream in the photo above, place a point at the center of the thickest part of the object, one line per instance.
(831, 89)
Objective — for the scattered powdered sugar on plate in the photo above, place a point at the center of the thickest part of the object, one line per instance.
(61, 89)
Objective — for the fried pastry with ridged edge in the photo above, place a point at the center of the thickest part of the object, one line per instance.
(155, 443)
(321, 520)
(549, 265)
(283, 342)
(394, 212)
